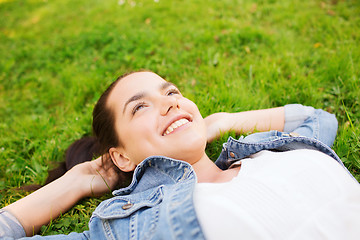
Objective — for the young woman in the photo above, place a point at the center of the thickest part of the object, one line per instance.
(286, 183)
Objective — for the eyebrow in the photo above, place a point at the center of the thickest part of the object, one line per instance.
(142, 95)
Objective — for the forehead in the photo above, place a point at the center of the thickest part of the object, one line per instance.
(135, 83)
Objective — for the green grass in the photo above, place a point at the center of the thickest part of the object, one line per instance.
(56, 58)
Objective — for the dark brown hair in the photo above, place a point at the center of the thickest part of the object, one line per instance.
(104, 121)
(104, 129)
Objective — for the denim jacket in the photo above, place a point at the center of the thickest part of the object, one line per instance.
(158, 204)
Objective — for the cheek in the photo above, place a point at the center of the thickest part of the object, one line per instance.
(189, 106)
(138, 138)
(192, 108)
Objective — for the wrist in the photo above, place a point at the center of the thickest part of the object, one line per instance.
(77, 183)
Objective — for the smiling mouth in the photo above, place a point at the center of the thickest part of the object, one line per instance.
(175, 125)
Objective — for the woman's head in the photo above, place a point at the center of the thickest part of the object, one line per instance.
(142, 115)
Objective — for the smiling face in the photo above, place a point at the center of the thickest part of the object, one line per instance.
(153, 118)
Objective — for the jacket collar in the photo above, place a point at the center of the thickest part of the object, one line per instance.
(234, 150)
(155, 171)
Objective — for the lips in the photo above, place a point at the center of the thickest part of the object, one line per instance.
(176, 124)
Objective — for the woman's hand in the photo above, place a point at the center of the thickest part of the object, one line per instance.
(216, 124)
(97, 177)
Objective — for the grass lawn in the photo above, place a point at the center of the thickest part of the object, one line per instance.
(57, 57)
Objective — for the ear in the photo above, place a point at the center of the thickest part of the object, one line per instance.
(121, 160)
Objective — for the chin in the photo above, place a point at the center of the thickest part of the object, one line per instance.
(192, 151)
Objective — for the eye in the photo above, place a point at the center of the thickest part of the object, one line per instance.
(138, 107)
(172, 92)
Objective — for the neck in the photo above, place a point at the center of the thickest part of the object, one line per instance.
(207, 171)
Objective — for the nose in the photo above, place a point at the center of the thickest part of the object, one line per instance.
(168, 103)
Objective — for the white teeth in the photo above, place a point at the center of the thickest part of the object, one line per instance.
(175, 125)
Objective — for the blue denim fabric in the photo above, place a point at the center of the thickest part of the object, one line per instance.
(310, 122)
(158, 204)
(9, 224)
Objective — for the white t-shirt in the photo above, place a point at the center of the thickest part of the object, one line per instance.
(299, 194)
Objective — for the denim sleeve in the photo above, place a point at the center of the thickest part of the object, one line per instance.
(310, 122)
(10, 229)
(10, 226)
(72, 236)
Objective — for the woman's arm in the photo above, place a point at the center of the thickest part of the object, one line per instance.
(83, 180)
(244, 122)
(303, 120)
